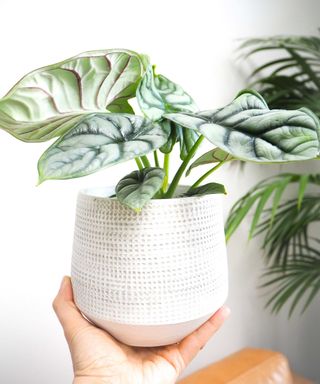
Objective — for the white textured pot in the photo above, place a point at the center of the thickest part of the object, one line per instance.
(149, 278)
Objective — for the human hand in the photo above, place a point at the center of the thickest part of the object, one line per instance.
(98, 358)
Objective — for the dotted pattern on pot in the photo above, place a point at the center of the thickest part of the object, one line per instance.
(164, 265)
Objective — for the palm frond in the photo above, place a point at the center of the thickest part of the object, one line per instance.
(269, 191)
(292, 80)
(288, 236)
(298, 281)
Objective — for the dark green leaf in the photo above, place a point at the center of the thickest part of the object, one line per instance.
(139, 187)
(206, 189)
(215, 155)
(302, 188)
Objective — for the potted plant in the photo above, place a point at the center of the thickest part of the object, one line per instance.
(149, 260)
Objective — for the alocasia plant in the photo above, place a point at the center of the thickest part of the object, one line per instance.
(84, 101)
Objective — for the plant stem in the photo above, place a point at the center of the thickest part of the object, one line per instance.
(139, 164)
(183, 166)
(145, 161)
(200, 180)
(156, 160)
(166, 163)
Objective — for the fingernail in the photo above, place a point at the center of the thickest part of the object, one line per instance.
(63, 283)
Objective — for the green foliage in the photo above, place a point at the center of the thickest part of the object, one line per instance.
(292, 80)
(98, 141)
(247, 129)
(207, 189)
(186, 138)
(50, 101)
(215, 155)
(298, 280)
(288, 80)
(139, 187)
(287, 245)
(157, 95)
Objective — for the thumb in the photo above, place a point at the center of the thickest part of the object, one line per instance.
(68, 314)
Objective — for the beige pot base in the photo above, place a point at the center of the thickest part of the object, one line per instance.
(150, 335)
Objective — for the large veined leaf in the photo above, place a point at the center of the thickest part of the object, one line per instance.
(137, 188)
(249, 130)
(157, 94)
(98, 141)
(49, 101)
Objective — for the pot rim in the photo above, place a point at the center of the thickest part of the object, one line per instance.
(103, 193)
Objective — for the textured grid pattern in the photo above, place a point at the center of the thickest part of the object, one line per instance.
(163, 266)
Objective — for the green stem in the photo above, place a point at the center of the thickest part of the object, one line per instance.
(166, 163)
(156, 160)
(182, 168)
(145, 161)
(200, 180)
(139, 164)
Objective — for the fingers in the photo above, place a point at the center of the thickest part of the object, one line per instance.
(191, 345)
(67, 312)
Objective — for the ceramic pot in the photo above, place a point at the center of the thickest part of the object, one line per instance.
(149, 278)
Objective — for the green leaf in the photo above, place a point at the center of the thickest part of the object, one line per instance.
(293, 80)
(247, 129)
(185, 137)
(258, 212)
(51, 100)
(139, 187)
(170, 126)
(121, 106)
(299, 279)
(260, 194)
(278, 194)
(157, 94)
(302, 188)
(206, 189)
(239, 212)
(98, 141)
(215, 155)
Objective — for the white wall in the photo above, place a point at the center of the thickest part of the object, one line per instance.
(191, 42)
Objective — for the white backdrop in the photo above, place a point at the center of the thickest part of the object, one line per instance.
(191, 42)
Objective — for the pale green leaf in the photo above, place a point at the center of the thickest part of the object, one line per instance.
(157, 94)
(247, 129)
(49, 101)
(98, 141)
(139, 187)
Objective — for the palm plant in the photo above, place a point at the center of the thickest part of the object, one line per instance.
(290, 80)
